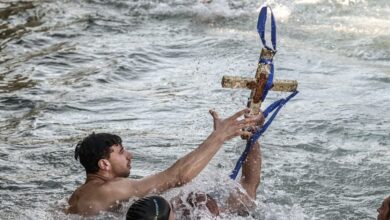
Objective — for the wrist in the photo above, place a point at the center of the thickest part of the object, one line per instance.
(217, 136)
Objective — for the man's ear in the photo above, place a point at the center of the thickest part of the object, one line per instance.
(104, 164)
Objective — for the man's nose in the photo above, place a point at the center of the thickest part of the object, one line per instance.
(130, 155)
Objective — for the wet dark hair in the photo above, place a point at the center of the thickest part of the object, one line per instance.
(149, 208)
(93, 148)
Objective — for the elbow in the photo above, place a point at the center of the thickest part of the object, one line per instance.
(183, 179)
(180, 174)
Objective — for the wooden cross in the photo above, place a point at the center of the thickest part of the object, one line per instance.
(257, 84)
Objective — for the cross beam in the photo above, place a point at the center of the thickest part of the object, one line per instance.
(257, 84)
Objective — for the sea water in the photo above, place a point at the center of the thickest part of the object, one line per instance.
(150, 70)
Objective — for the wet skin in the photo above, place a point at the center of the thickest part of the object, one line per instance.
(104, 190)
(94, 195)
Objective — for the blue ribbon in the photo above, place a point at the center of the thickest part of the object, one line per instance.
(274, 106)
(261, 30)
(261, 27)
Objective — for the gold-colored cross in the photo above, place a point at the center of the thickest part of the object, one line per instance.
(257, 84)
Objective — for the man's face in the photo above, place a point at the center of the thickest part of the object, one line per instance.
(120, 160)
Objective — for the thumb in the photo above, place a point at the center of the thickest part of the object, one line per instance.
(215, 116)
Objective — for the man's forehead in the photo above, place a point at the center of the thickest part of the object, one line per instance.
(116, 146)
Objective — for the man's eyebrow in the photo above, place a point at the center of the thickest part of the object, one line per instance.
(121, 148)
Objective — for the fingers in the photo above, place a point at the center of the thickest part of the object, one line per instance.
(253, 129)
(240, 113)
(214, 114)
(232, 126)
(246, 135)
(216, 119)
(261, 120)
(247, 122)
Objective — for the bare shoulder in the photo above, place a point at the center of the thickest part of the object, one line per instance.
(83, 201)
(125, 188)
(118, 189)
(117, 184)
(93, 197)
(73, 203)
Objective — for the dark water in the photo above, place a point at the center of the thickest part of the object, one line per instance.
(150, 70)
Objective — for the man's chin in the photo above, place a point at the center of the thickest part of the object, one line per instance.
(125, 175)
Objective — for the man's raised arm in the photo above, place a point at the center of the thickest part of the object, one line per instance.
(189, 166)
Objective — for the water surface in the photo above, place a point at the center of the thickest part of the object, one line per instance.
(150, 70)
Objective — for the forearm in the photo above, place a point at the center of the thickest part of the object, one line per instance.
(189, 166)
(251, 169)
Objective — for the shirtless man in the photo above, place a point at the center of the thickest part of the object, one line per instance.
(108, 165)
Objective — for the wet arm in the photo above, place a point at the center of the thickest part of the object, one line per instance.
(189, 166)
(251, 169)
(183, 170)
(242, 202)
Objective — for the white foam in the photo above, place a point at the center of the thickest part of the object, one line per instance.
(282, 12)
(361, 25)
(308, 1)
(202, 10)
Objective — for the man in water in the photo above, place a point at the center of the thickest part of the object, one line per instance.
(108, 165)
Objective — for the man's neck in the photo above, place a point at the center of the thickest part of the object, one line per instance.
(98, 176)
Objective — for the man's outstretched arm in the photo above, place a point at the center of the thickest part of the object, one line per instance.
(189, 166)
